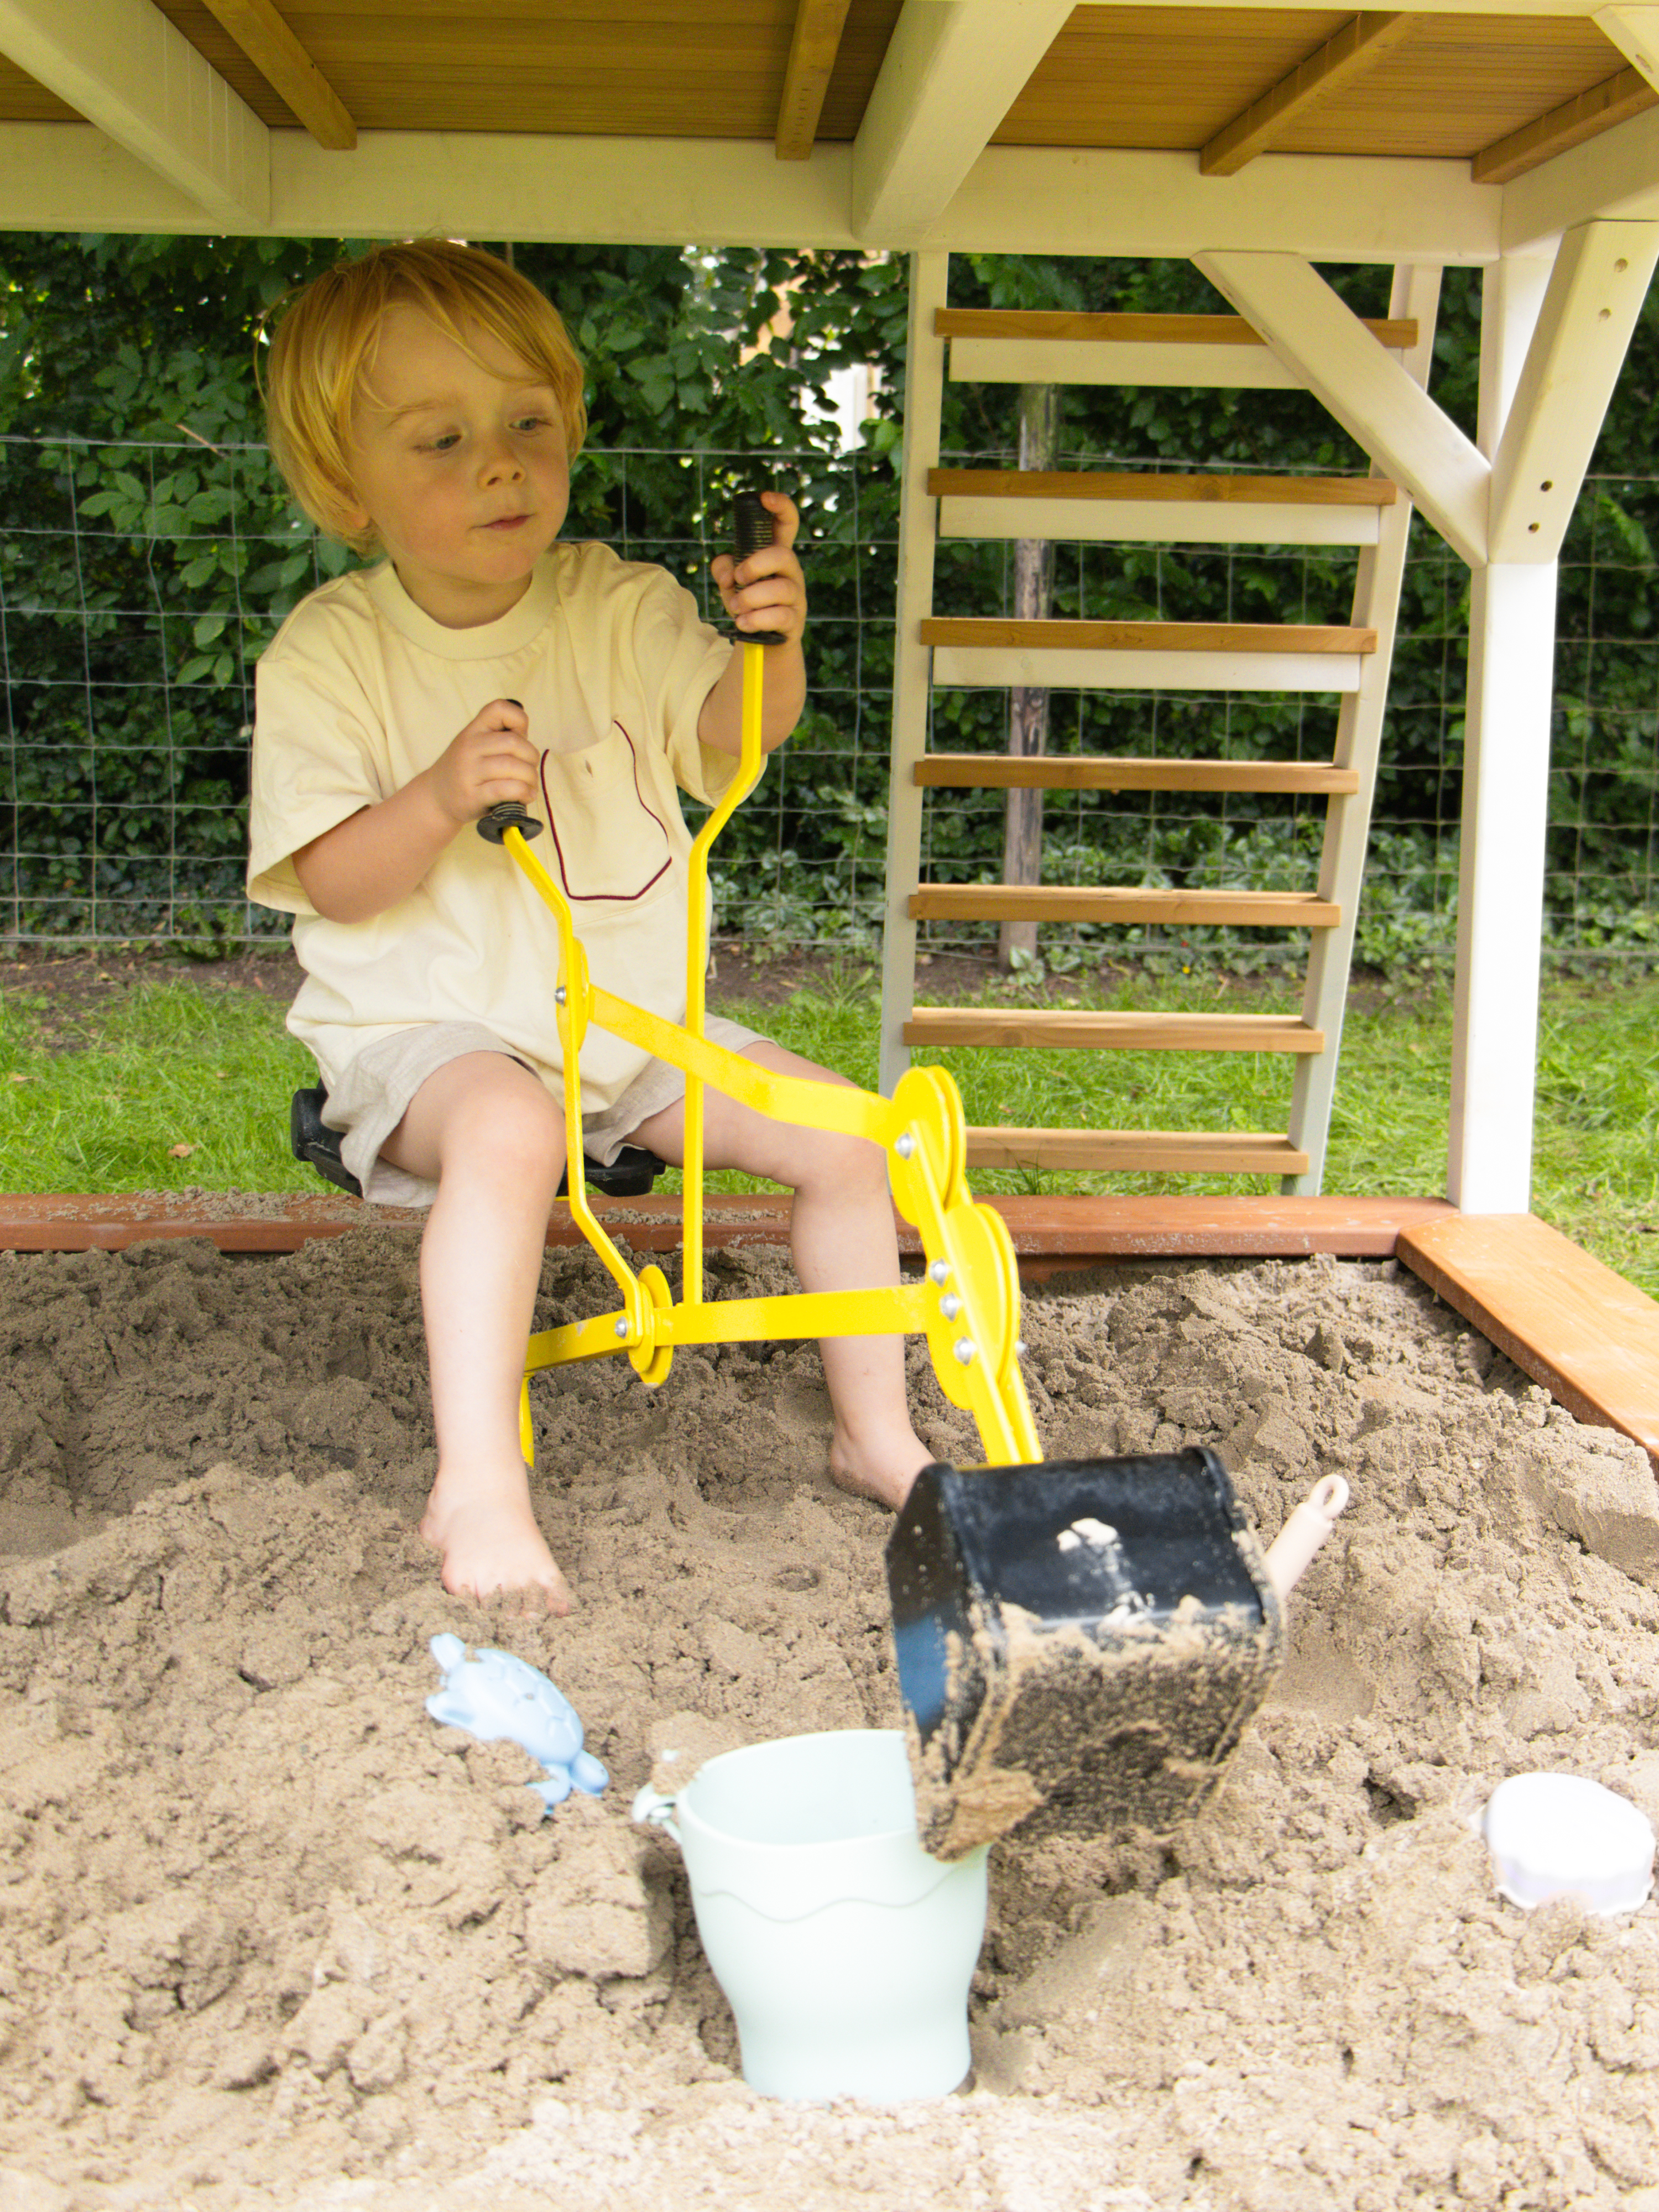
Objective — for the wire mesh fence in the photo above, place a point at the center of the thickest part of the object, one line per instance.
(140, 582)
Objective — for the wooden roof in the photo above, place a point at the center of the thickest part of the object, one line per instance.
(1168, 77)
(205, 113)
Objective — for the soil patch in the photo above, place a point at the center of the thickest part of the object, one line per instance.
(272, 1938)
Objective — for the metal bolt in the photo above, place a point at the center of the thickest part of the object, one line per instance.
(622, 1325)
(905, 1146)
(951, 1307)
(967, 1350)
(558, 996)
(939, 1272)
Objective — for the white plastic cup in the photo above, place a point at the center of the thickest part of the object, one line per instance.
(845, 1950)
(1562, 1835)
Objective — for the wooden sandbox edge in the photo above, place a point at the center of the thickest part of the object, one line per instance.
(1565, 1317)
(1050, 1234)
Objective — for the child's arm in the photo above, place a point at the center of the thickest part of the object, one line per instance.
(767, 592)
(380, 855)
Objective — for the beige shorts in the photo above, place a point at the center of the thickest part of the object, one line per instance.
(379, 1086)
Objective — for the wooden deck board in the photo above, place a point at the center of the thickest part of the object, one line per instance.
(1047, 1232)
(1573, 1324)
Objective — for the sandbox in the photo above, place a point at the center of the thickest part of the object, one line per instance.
(273, 1938)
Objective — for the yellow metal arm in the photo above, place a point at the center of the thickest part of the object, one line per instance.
(966, 1305)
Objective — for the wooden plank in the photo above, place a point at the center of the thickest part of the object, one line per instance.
(812, 53)
(1129, 329)
(974, 668)
(1592, 113)
(1570, 1322)
(1118, 906)
(1137, 1151)
(1150, 484)
(1074, 1030)
(1158, 522)
(1056, 1230)
(1075, 772)
(265, 38)
(1146, 636)
(1355, 47)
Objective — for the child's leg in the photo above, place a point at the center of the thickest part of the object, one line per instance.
(493, 1139)
(842, 1236)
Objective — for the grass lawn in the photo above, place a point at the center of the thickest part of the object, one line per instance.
(135, 1079)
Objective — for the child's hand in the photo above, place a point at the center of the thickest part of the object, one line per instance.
(767, 592)
(491, 760)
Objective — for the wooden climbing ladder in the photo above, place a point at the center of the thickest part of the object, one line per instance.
(1351, 661)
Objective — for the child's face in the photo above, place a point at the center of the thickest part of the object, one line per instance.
(460, 467)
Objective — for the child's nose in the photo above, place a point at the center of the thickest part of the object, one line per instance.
(499, 460)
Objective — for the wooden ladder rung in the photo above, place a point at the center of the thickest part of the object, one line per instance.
(1062, 637)
(1125, 772)
(1071, 1028)
(1137, 1152)
(1148, 485)
(1117, 906)
(1148, 508)
(1131, 329)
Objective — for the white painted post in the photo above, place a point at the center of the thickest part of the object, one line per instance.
(1506, 755)
(924, 385)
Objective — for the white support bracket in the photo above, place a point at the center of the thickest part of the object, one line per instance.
(123, 66)
(1583, 329)
(1368, 393)
(953, 70)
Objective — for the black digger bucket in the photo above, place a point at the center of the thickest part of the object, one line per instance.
(1080, 1642)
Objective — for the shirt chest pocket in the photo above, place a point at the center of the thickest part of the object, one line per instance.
(611, 847)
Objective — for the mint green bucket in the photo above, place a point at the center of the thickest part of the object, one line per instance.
(845, 1952)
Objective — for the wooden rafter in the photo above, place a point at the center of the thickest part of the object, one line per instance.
(264, 37)
(1354, 48)
(1612, 102)
(812, 51)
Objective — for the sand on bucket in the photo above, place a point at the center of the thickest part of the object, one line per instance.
(272, 1938)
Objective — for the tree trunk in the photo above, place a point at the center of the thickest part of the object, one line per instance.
(1028, 707)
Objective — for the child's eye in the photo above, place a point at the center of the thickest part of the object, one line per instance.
(443, 442)
(530, 422)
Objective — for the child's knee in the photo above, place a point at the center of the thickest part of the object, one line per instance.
(511, 1130)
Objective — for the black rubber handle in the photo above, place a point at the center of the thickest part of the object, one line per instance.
(509, 813)
(752, 528)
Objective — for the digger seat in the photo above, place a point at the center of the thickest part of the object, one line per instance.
(630, 1174)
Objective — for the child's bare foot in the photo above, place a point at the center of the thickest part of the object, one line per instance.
(489, 1540)
(883, 1469)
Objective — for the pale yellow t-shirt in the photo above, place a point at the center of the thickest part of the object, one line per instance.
(360, 690)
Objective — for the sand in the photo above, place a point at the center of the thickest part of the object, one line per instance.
(273, 1938)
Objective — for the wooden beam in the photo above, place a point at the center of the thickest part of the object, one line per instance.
(1146, 636)
(1589, 1336)
(1589, 311)
(1129, 329)
(125, 66)
(1075, 772)
(1354, 50)
(812, 51)
(1079, 1231)
(592, 190)
(1604, 105)
(1150, 484)
(952, 71)
(1119, 905)
(1065, 1029)
(1376, 399)
(1137, 1151)
(1614, 175)
(1635, 32)
(264, 37)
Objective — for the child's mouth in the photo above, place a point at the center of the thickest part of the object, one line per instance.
(507, 522)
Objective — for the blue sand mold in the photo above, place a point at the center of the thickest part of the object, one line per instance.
(494, 1696)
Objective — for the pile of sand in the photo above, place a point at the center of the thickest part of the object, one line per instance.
(273, 1938)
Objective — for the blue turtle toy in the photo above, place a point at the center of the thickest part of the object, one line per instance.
(493, 1695)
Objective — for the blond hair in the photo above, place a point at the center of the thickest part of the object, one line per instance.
(326, 338)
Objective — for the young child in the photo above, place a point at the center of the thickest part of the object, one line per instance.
(425, 404)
